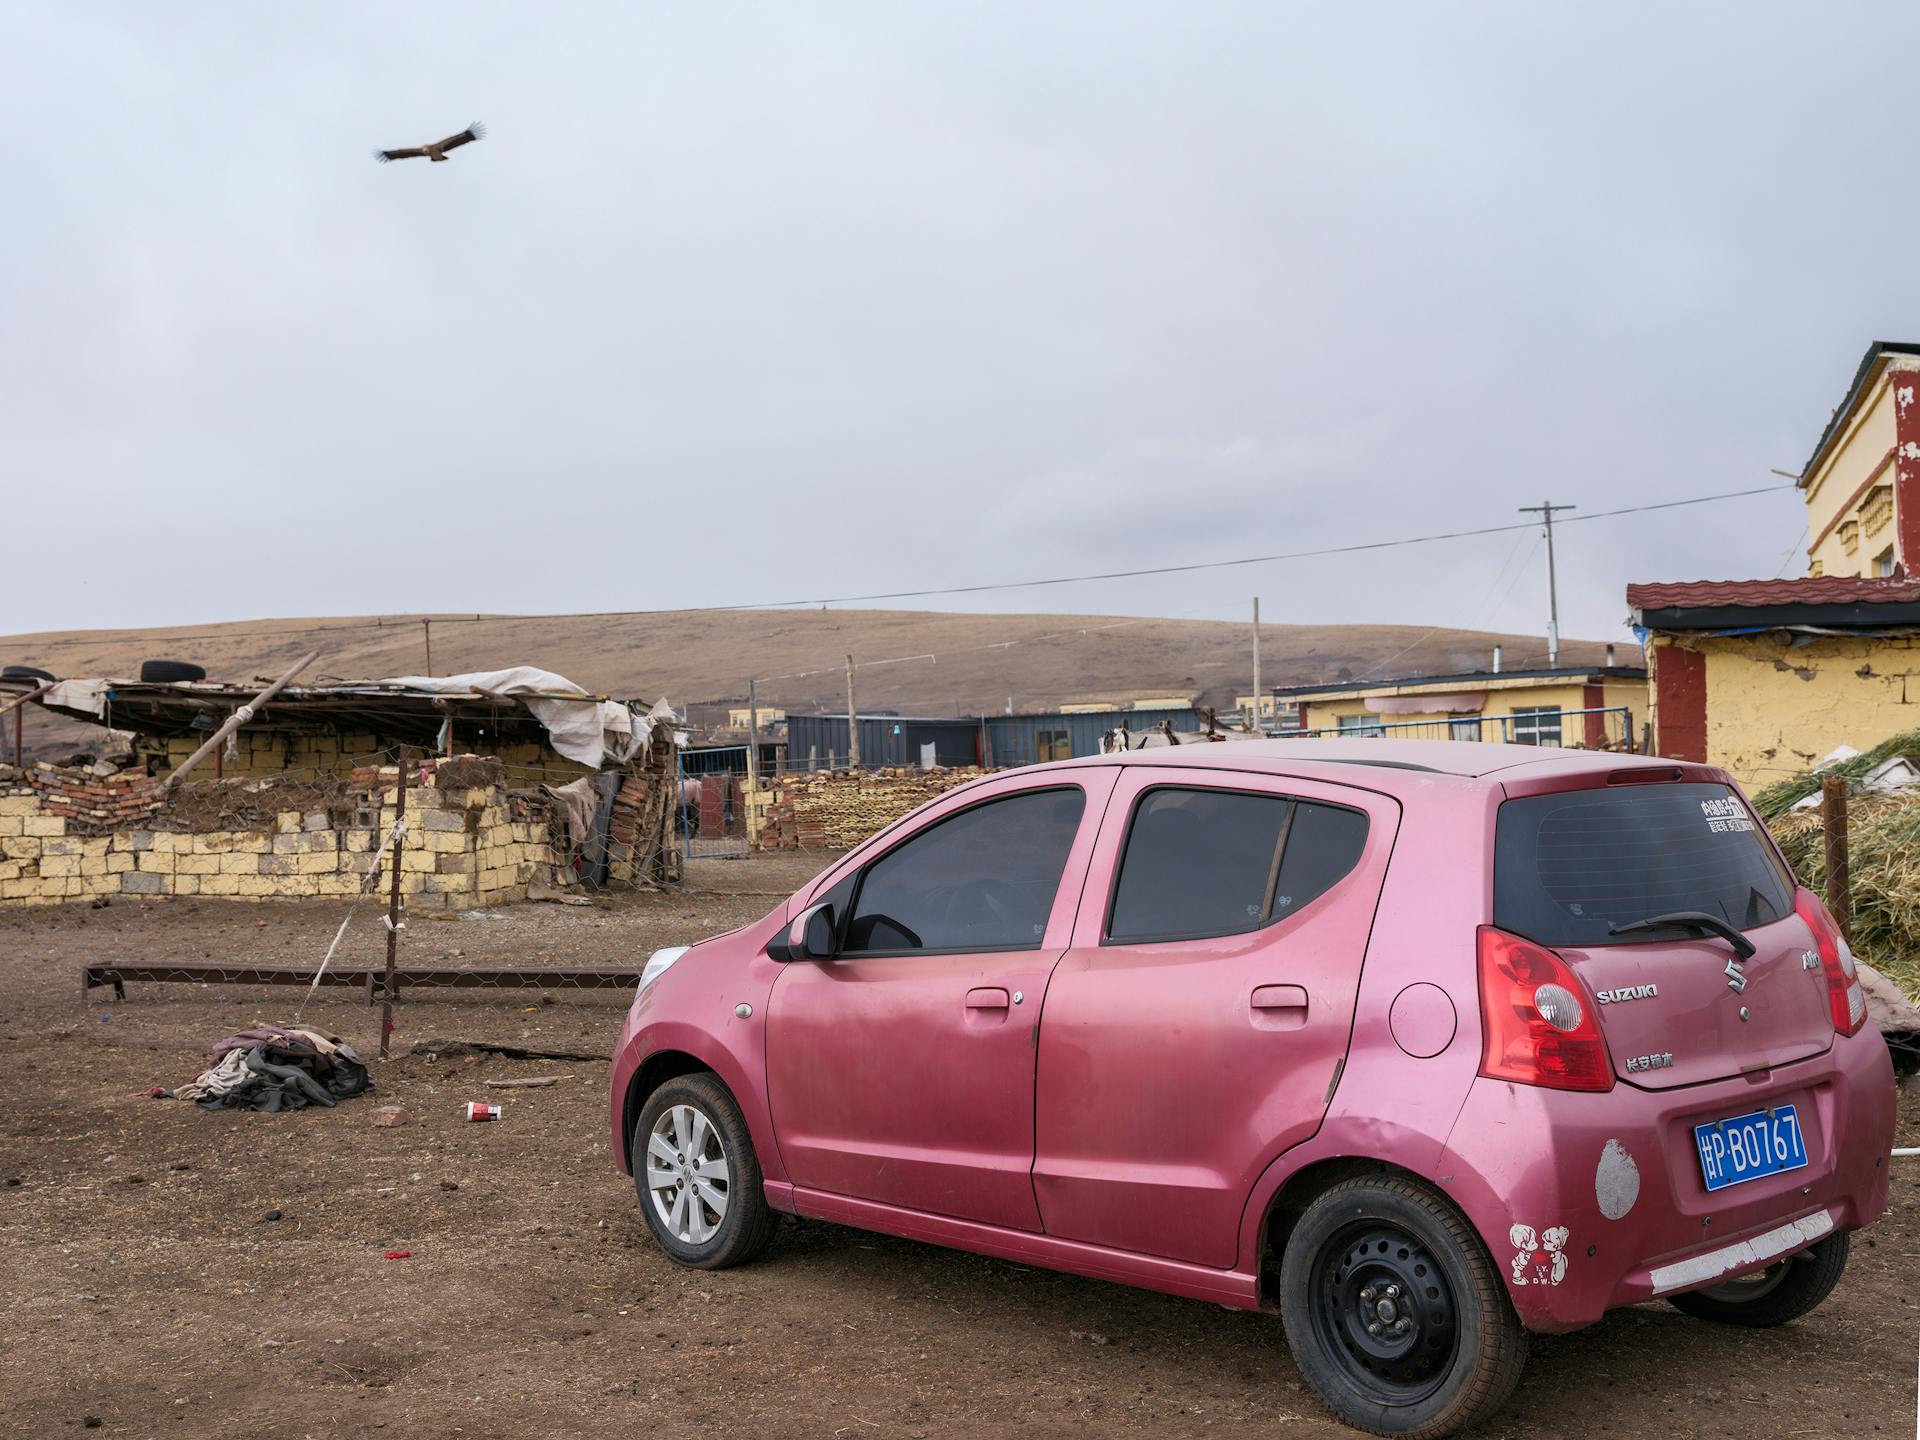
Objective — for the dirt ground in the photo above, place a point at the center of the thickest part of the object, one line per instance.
(146, 1294)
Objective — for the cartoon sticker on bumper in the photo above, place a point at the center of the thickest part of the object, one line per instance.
(1541, 1258)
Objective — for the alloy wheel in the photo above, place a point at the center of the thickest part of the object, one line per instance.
(688, 1176)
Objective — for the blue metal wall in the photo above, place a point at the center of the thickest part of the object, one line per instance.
(884, 740)
(1014, 739)
(1011, 739)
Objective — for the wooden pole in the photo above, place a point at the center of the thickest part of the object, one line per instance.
(427, 626)
(236, 720)
(1833, 820)
(393, 901)
(853, 722)
(19, 701)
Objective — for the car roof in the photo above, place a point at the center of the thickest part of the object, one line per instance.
(1466, 759)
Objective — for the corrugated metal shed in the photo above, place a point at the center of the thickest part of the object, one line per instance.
(1028, 739)
(884, 740)
(1000, 740)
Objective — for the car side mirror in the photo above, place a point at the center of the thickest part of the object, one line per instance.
(809, 937)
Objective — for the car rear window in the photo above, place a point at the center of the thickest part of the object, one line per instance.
(1202, 863)
(1568, 868)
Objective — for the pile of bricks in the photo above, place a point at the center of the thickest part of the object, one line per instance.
(633, 811)
(638, 853)
(835, 810)
(91, 803)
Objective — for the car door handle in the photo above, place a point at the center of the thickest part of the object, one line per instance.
(1280, 997)
(987, 999)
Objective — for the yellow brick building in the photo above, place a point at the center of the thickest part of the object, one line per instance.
(1595, 707)
(1765, 677)
(1862, 482)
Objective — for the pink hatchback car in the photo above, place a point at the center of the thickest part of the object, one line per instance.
(1422, 1046)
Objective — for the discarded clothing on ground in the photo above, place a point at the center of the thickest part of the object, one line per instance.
(276, 1067)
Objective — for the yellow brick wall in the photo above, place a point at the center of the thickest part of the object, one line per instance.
(463, 849)
(1774, 708)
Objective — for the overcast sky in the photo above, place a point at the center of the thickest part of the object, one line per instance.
(744, 303)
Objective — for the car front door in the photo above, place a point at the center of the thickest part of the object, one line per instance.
(901, 1070)
(1194, 1029)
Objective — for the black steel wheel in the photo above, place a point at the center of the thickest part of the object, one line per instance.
(1383, 1307)
(1394, 1310)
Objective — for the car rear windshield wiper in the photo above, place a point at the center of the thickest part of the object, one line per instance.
(1692, 920)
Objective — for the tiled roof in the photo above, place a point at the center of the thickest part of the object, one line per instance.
(1811, 590)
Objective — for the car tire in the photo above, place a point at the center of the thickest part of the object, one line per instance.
(709, 1154)
(25, 672)
(169, 672)
(1380, 1250)
(1784, 1291)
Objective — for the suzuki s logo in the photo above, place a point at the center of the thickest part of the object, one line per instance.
(1736, 977)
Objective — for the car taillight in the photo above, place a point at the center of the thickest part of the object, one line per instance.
(1845, 998)
(1537, 1022)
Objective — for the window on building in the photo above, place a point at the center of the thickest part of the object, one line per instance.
(983, 879)
(1357, 725)
(1202, 863)
(1288, 714)
(1052, 745)
(1464, 727)
(1883, 563)
(1539, 725)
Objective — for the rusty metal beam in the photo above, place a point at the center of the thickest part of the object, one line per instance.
(485, 977)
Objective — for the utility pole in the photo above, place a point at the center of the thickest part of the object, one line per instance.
(853, 722)
(1545, 511)
(1259, 709)
(753, 739)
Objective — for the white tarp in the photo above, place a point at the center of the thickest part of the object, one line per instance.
(588, 730)
(87, 695)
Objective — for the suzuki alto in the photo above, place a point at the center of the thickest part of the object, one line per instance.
(1419, 1046)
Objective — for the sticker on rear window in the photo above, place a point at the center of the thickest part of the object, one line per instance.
(1725, 816)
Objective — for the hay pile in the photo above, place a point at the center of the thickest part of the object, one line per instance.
(1776, 800)
(1883, 844)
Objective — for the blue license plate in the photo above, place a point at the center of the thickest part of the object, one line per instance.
(1767, 1142)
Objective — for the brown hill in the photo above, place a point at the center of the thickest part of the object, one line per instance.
(910, 661)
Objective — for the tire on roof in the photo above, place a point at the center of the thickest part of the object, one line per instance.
(166, 672)
(25, 672)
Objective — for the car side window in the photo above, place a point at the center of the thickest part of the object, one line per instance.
(1202, 863)
(984, 878)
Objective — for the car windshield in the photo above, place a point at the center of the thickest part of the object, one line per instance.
(1568, 868)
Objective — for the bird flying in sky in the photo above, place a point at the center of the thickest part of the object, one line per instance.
(437, 151)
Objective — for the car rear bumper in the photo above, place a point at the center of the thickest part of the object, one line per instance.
(1594, 1201)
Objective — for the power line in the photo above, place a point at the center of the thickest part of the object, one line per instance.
(401, 624)
(1226, 564)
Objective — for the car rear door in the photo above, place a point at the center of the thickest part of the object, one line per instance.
(1194, 1029)
(901, 1071)
(1677, 1006)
